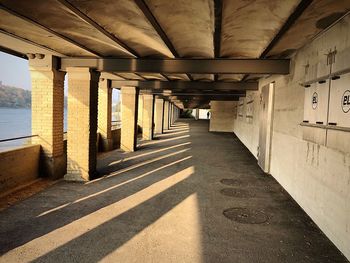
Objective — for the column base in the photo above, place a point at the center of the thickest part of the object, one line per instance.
(80, 176)
(53, 167)
(105, 145)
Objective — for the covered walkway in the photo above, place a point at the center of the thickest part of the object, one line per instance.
(167, 202)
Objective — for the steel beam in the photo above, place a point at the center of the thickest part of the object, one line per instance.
(31, 21)
(181, 66)
(92, 23)
(181, 85)
(287, 25)
(199, 93)
(153, 21)
(13, 52)
(148, 14)
(217, 33)
(27, 42)
(187, 98)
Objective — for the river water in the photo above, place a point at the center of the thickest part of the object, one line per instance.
(17, 123)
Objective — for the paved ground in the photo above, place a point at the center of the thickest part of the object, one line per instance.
(166, 203)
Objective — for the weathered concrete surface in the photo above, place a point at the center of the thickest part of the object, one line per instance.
(163, 204)
(18, 167)
(242, 39)
(315, 174)
(221, 119)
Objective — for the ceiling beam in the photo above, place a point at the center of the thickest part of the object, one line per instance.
(92, 23)
(174, 66)
(181, 85)
(25, 44)
(197, 93)
(287, 25)
(195, 96)
(31, 21)
(151, 18)
(148, 14)
(190, 98)
(217, 33)
(12, 52)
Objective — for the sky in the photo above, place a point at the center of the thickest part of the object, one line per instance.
(14, 71)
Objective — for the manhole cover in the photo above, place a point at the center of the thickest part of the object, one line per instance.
(233, 182)
(234, 192)
(245, 215)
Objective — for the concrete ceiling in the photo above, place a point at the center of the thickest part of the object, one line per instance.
(249, 26)
(165, 29)
(316, 18)
(188, 24)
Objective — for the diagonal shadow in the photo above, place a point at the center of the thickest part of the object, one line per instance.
(122, 228)
(77, 200)
(119, 222)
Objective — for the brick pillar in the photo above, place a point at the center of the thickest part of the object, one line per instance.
(166, 116)
(47, 115)
(129, 110)
(82, 123)
(158, 115)
(105, 114)
(147, 120)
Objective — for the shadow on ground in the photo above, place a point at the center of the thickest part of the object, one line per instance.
(166, 203)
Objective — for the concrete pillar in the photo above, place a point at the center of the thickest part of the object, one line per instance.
(197, 114)
(175, 113)
(105, 114)
(82, 124)
(129, 110)
(47, 115)
(147, 120)
(158, 115)
(166, 116)
(171, 114)
(140, 111)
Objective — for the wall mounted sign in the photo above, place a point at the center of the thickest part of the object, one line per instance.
(314, 100)
(345, 101)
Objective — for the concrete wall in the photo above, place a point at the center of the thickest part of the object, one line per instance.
(221, 116)
(246, 128)
(317, 176)
(18, 167)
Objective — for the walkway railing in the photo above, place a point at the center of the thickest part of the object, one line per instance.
(115, 125)
(18, 138)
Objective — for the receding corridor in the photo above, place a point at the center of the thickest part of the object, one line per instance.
(166, 203)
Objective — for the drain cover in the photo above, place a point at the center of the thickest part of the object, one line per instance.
(234, 192)
(245, 215)
(233, 182)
